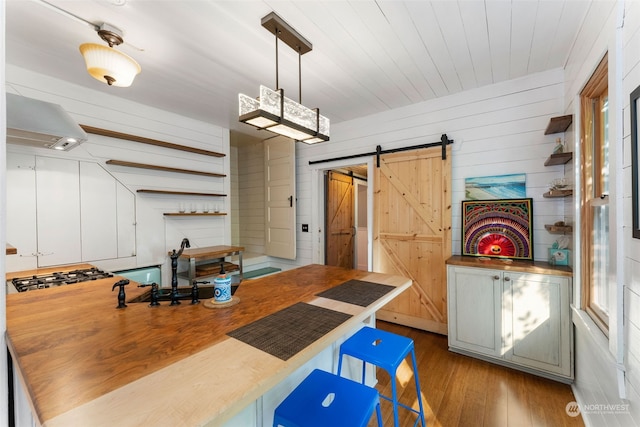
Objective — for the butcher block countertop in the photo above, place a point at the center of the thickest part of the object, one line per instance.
(84, 362)
(537, 267)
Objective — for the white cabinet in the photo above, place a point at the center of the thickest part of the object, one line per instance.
(107, 210)
(98, 212)
(536, 312)
(475, 296)
(126, 220)
(58, 211)
(64, 211)
(517, 318)
(21, 211)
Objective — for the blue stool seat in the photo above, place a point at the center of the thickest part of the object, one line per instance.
(387, 351)
(327, 400)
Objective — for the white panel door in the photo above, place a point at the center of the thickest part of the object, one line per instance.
(21, 211)
(280, 193)
(475, 313)
(58, 211)
(536, 309)
(126, 213)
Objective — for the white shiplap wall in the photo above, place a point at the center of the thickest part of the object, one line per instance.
(596, 383)
(156, 234)
(631, 80)
(497, 129)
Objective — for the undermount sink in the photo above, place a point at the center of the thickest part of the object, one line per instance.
(204, 292)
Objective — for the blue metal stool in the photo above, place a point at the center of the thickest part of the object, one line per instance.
(323, 399)
(387, 351)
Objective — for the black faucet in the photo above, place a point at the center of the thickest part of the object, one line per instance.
(121, 294)
(194, 291)
(154, 295)
(174, 271)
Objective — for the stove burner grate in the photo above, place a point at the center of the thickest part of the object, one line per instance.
(23, 284)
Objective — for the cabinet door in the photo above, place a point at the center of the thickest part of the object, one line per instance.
(126, 212)
(537, 321)
(474, 309)
(98, 213)
(21, 211)
(58, 211)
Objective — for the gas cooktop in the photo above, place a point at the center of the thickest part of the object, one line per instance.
(43, 281)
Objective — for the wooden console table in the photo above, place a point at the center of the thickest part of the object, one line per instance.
(211, 255)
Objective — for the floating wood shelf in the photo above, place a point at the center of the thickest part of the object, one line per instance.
(558, 159)
(210, 269)
(11, 250)
(558, 193)
(179, 193)
(163, 168)
(213, 268)
(149, 141)
(194, 214)
(558, 228)
(558, 124)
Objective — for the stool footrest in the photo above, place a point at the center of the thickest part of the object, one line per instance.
(408, 408)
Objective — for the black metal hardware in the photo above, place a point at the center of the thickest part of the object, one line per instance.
(154, 295)
(444, 140)
(174, 271)
(121, 295)
(194, 291)
(290, 201)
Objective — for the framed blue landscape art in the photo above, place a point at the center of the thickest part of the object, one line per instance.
(511, 186)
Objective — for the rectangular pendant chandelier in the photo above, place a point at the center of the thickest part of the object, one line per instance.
(276, 113)
(273, 111)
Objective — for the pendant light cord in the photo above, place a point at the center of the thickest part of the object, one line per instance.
(277, 85)
(299, 76)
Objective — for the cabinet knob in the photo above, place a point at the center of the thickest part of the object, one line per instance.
(506, 279)
(496, 277)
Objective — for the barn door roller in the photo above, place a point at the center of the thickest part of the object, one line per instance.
(444, 141)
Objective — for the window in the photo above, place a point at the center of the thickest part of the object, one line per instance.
(594, 197)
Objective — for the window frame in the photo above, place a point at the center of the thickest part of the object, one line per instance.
(594, 194)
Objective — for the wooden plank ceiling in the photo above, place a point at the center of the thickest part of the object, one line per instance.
(368, 56)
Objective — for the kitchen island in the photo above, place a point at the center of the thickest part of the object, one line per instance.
(84, 362)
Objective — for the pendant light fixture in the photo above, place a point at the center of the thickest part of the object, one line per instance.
(273, 111)
(107, 64)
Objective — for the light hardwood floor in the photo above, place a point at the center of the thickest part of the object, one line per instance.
(463, 391)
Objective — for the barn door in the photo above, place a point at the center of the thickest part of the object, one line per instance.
(412, 234)
(340, 219)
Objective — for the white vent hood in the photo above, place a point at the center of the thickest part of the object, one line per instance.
(41, 124)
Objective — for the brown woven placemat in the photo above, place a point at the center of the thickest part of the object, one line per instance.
(286, 332)
(357, 292)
